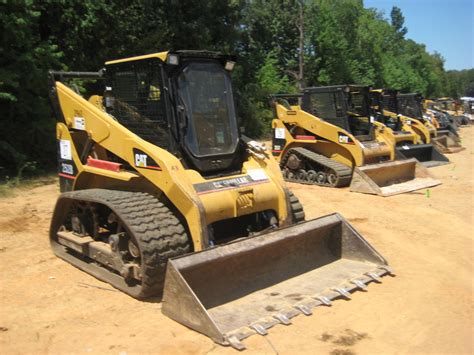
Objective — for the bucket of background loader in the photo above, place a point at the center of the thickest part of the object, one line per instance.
(447, 144)
(426, 154)
(233, 291)
(391, 178)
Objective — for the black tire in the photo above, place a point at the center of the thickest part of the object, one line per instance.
(158, 234)
(150, 225)
(297, 210)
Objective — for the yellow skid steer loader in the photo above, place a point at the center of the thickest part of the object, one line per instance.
(385, 109)
(411, 105)
(161, 195)
(322, 144)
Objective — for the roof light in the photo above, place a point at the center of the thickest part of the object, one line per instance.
(173, 59)
(229, 65)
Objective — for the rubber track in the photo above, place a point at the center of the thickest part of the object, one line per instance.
(343, 172)
(156, 230)
(297, 210)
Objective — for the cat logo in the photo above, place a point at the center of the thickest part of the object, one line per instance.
(140, 160)
(344, 139)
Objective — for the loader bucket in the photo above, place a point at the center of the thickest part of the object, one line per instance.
(391, 178)
(426, 154)
(236, 290)
(450, 134)
(446, 144)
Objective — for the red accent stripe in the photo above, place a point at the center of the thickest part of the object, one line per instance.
(306, 138)
(67, 176)
(276, 151)
(152, 167)
(103, 164)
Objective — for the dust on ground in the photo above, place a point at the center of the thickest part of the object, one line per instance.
(48, 306)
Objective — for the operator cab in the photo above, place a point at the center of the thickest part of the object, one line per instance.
(411, 105)
(181, 101)
(386, 99)
(345, 106)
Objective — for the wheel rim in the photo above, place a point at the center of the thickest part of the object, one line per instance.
(311, 176)
(321, 177)
(332, 178)
(301, 175)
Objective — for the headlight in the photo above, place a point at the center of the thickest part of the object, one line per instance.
(229, 65)
(172, 59)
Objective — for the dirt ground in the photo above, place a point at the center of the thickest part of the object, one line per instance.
(48, 306)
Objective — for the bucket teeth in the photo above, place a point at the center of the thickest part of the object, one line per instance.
(236, 343)
(324, 300)
(304, 309)
(359, 284)
(259, 329)
(374, 276)
(282, 318)
(388, 269)
(342, 292)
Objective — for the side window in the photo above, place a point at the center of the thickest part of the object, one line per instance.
(138, 101)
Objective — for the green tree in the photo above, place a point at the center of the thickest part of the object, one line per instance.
(26, 55)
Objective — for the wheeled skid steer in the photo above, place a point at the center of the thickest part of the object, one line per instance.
(162, 196)
(411, 105)
(415, 137)
(320, 143)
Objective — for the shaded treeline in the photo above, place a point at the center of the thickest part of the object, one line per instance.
(343, 43)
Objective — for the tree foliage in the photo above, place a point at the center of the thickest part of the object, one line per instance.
(343, 43)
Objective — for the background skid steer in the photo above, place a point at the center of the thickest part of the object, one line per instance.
(385, 109)
(156, 169)
(411, 105)
(324, 145)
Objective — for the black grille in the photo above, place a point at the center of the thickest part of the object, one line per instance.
(390, 103)
(328, 106)
(410, 106)
(138, 101)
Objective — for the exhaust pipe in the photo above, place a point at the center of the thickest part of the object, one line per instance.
(391, 178)
(243, 288)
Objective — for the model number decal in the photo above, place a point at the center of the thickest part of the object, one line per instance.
(225, 184)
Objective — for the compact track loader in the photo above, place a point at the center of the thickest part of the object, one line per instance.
(385, 109)
(447, 125)
(322, 144)
(411, 105)
(161, 195)
(452, 108)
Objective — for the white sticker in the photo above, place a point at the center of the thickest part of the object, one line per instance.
(408, 122)
(405, 147)
(257, 174)
(280, 133)
(372, 119)
(65, 149)
(80, 123)
(67, 169)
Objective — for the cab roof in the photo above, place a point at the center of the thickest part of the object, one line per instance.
(161, 55)
(182, 53)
